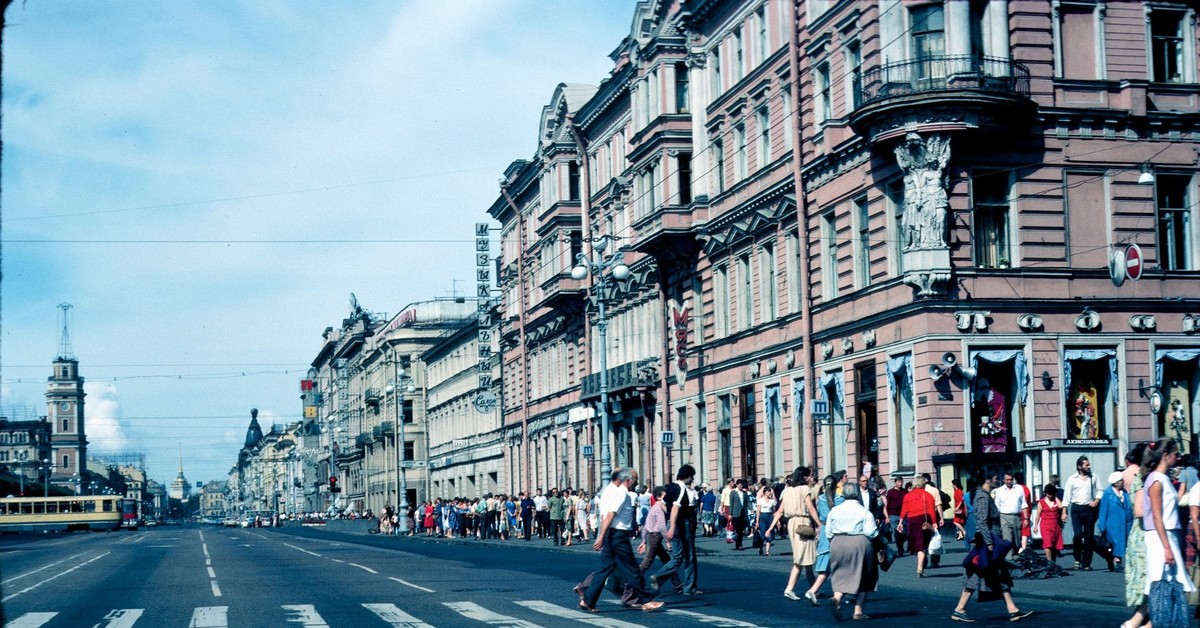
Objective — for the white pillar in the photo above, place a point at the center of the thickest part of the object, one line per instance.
(958, 28)
(997, 44)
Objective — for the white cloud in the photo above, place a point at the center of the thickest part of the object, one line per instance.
(102, 419)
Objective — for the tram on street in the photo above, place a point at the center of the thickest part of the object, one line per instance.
(60, 513)
(129, 514)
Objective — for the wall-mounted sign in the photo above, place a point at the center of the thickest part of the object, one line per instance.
(680, 320)
(820, 408)
(486, 400)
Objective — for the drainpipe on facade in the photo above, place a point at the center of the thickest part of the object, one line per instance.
(664, 360)
(521, 334)
(808, 355)
(585, 210)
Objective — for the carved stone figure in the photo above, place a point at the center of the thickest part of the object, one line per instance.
(923, 161)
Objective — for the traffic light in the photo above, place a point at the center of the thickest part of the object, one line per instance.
(333, 487)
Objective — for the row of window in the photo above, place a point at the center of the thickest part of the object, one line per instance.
(1082, 37)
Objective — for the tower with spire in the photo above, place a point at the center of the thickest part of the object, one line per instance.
(64, 411)
(180, 488)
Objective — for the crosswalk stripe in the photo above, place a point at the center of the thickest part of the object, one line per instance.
(396, 617)
(720, 622)
(210, 617)
(305, 615)
(471, 610)
(30, 620)
(122, 618)
(547, 608)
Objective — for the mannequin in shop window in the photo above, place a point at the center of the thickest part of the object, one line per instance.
(991, 414)
(1178, 420)
(1085, 421)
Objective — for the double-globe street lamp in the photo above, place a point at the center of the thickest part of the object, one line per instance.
(395, 389)
(604, 270)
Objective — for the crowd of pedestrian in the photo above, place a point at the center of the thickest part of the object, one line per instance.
(1142, 521)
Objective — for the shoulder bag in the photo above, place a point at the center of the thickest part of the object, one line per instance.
(1168, 605)
(805, 528)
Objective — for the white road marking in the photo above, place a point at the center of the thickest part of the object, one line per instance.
(122, 618)
(211, 573)
(216, 589)
(362, 567)
(30, 620)
(305, 615)
(396, 617)
(304, 550)
(337, 560)
(722, 622)
(409, 584)
(59, 574)
(471, 610)
(547, 608)
(210, 617)
(30, 573)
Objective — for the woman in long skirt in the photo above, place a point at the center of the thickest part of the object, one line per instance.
(852, 567)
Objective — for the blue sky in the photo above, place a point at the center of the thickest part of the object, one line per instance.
(277, 138)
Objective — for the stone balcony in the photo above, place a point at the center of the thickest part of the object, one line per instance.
(939, 94)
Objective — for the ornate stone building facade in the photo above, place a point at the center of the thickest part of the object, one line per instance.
(862, 231)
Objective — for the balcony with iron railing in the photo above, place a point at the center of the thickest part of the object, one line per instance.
(944, 93)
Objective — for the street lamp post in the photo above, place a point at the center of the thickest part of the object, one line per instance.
(46, 468)
(603, 271)
(394, 389)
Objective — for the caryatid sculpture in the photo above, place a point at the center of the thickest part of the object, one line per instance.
(923, 223)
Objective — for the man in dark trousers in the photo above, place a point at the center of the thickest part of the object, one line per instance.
(681, 501)
(893, 500)
(612, 541)
(527, 515)
(739, 513)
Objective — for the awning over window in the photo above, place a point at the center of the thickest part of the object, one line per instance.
(1070, 355)
(900, 374)
(836, 381)
(1017, 357)
(1179, 355)
(798, 398)
(771, 407)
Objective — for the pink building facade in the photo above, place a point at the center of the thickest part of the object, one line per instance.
(863, 232)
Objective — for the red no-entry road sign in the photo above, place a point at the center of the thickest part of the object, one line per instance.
(1133, 262)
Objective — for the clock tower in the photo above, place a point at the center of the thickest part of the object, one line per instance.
(64, 411)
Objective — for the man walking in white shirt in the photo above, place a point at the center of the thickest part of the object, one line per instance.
(1083, 494)
(1010, 500)
(612, 541)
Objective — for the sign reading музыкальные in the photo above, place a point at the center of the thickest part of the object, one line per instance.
(485, 399)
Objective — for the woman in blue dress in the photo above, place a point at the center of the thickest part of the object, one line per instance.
(1115, 517)
(828, 498)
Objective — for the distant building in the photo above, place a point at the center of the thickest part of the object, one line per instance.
(180, 488)
(23, 445)
(213, 499)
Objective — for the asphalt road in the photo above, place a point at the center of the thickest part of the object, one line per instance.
(213, 577)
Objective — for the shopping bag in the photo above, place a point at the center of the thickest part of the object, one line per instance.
(1168, 604)
(729, 531)
(935, 544)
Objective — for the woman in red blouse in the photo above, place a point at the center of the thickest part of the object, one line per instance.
(918, 519)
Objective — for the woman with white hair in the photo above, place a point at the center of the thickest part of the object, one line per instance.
(852, 567)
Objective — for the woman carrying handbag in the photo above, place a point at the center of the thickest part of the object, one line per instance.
(1166, 582)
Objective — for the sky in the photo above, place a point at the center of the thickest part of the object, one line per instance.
(206, 183)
